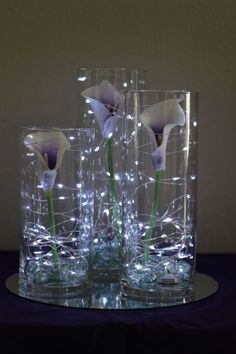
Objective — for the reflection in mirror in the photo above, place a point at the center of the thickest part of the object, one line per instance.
(107, 296)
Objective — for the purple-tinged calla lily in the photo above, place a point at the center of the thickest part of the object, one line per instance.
(49, 146)
(159, 119)
(105, 102)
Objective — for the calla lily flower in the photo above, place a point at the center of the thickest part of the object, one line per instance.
(105, 102)
(49, 146)
(159, 119)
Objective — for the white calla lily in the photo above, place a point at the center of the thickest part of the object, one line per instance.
(105, 102)
(49, 146)
(159, 119)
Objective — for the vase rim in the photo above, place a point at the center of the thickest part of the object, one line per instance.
(113, 68)
(33, 127)
(179, 91)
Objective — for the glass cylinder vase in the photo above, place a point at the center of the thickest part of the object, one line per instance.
(160, 196)
(100, 105)
(57, 211)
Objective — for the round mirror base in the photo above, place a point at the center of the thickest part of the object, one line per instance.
(108, 296)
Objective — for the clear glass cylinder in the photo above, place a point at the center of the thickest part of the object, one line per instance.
(57, 211)
(160, 157)
(100, 105)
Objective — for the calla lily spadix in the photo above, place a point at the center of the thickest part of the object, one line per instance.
(105, 102)
(159, 119)
(49, 146)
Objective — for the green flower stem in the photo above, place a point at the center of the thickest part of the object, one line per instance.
(153, 215)
(48, 195)
(108, 145)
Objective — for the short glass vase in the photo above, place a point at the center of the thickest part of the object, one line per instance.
(57, 212)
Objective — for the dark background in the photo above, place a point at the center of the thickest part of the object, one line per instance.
(188, 44)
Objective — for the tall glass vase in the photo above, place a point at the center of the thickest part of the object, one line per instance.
(57, 212)
(160, 196)
(100, 105)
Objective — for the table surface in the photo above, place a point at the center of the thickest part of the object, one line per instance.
(205, 326)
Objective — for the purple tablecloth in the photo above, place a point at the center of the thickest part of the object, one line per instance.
(207, 326)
